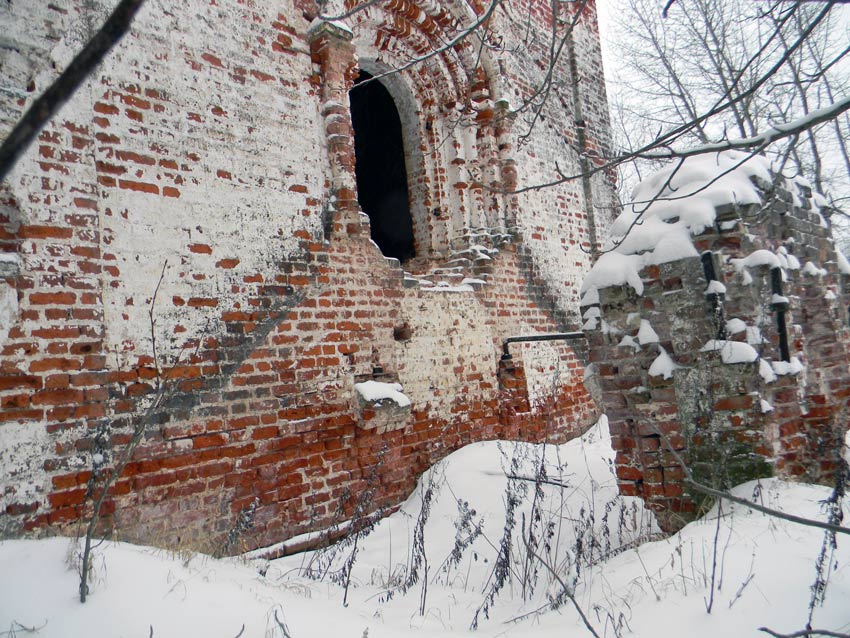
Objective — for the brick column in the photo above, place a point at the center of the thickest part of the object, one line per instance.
(502, 125)
(331, 50)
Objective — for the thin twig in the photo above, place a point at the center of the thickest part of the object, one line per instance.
(805, 633)
(666, 8)
(126, 454)
(282, 625)
(533, 612)
(16, 627)
(648, 577)
(566, 591)
(532, 479)
(710, 603)
(766, 510)
(153, 324)
(741, 589)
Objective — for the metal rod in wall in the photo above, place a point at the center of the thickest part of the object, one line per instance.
(552, 336)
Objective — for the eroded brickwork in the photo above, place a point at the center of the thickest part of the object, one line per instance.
(735, 411)
(187, 227)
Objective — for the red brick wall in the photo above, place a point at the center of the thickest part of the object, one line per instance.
(186, 228)
(708, 413)
(268, 409)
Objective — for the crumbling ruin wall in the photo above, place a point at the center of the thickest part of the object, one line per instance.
(187, 228)
(694, 370)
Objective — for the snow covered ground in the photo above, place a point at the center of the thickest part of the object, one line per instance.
(763, 571)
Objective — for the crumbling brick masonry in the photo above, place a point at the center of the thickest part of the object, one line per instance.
(188, 227)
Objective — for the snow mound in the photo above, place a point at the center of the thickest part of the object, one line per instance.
(787, 367)
(662, 366)
(735, 325)
(764, 566)
(646, 334)
(731, 352)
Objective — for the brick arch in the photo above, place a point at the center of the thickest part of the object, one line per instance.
(418, 177)
(456, 143)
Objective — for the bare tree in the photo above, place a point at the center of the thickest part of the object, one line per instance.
(728, 73)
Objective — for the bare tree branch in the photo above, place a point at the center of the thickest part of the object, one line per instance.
(565, 590)
(63, 87)
(805, 633)
(795, 127)
(710, 491)
(102, 491)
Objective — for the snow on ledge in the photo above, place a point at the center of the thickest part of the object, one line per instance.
(813, 271)
(443, 286)
(761, 257)
(715, 288)
(843, 265)
(735, 325)
(787, 367)
(669, 207)
(377, 391)
(731, 352)
(663, 365)
(646, 334)
(319, 23)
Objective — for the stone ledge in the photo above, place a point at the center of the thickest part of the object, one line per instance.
(381, 406)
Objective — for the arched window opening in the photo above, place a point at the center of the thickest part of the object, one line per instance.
(380, 169)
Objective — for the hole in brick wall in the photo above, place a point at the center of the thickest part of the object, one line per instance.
(715, 299)
(379, 167)
(402, 332)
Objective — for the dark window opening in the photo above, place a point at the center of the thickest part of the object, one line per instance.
(381, 175)
(779, 304)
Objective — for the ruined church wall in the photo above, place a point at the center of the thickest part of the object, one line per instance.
(193, 168)
(739, 409)
(556, 219)
(186, 148)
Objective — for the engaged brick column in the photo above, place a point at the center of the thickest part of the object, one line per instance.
(502, 125)
(331, 49)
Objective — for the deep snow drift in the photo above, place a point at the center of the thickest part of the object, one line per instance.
(580, 528)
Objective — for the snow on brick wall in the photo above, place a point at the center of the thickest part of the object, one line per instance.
(715, 279)
(206, 152)
(189, 153)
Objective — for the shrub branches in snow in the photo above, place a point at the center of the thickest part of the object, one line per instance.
(244, 523)
(325, 561)
(833, 507)
(102, 479)
(514, 494)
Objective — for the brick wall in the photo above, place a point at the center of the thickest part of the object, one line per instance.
(185, 231)
(729, 421)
